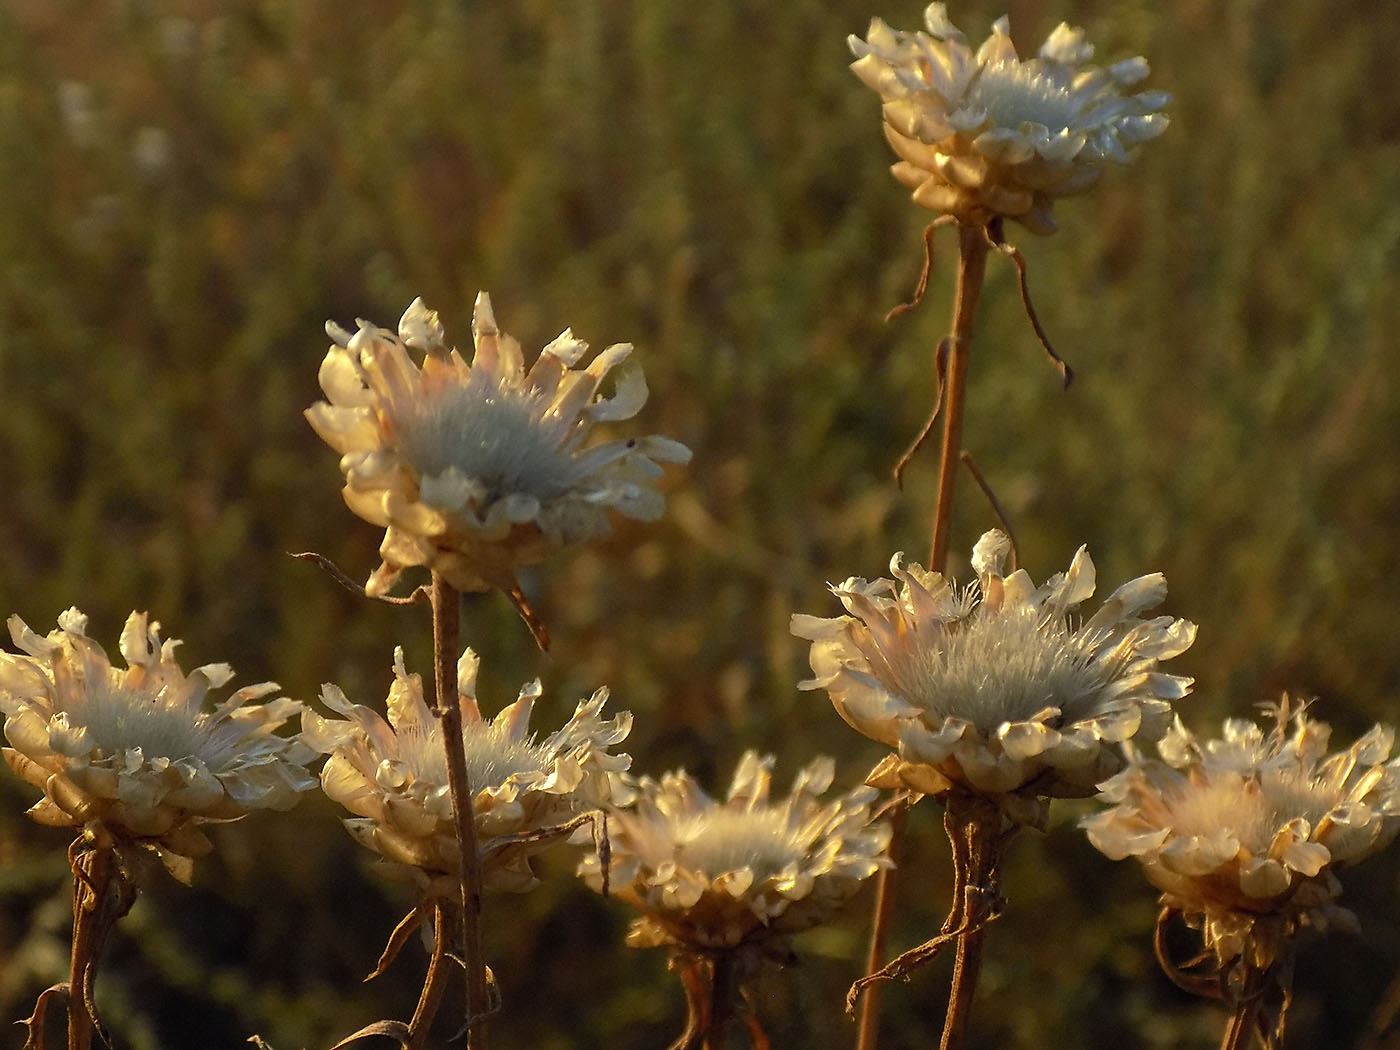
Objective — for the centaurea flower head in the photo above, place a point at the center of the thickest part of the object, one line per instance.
(1242, 834)
(1003, 689)
(475, 470)
(987, 134)
(713, 875)
(132, 756)
(393, 776)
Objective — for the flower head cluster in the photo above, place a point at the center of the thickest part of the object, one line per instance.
(1000, 690)
(476, 469)
(133, 754)
(1242, 833)
(393, 777)
(986, 134)
(706, 874)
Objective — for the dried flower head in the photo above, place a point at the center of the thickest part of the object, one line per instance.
(393, 776)
(132, 755)
(476, 469)
(716, 875)
(986, 134)
(1242, 833)
(999, 690)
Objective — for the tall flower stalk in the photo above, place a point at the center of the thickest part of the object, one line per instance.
(475, 470)
(983, 137)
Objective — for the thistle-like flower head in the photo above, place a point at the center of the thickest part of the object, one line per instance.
(393, 776)
(476, 469)
(987, 134)
(1000, 690)
(134, 754)
(706, 874)
(1242, 833)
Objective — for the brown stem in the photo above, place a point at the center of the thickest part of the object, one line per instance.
(723, 992)
(697, 1007)
(1243, 1019)
(436, 981)
(976, 823)
(884, 907)
(92, 870)
(446, 648)
(972, 266)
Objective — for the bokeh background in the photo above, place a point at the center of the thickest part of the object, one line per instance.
(188, 190)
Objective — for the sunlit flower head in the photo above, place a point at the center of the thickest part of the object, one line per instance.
(1002, 689)
(1242, 834)
(393, 776)
(476, 469)
(708, 874)
(986, 134)
(133, 753)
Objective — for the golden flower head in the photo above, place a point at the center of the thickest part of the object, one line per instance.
(706, 874)
(132, 754)
(1242, 833)
(476, 469)
(985, 134)
(1000, 690)
(393, 777)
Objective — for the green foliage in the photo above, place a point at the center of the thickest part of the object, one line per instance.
(708, 182)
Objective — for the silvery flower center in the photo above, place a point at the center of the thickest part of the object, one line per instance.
(492, 756)
(118, 720)
(493, 437)
(726, 840)
(996, 668)
(1255, 816)
(1014, 94)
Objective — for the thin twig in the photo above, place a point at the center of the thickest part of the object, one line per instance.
(435, 984)
(343, 578)
(997, 241)
(922, 286)
(980, 478)
(940, 375)
(527, 613)
(977, 822)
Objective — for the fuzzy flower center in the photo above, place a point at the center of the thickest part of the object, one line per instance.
(493, 756)
(726, 840)
(998, 668)
(1013, 94)
(119, 720)
(1254, 809)
(494, 437)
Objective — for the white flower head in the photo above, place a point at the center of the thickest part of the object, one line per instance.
(1242, 833)
(476, 469)
(134, 754)
(393, 776)
(985, 134)
(1001, 690)
(707, 874)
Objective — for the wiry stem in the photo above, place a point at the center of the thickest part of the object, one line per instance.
(975, 824)
(91, 874)
(436, 981)
(972, 265)
(446, 648)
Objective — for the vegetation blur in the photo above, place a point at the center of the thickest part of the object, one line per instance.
(188, 190)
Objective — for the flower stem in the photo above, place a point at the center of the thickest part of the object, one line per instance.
(436, 981)
(446, 648)
(972, 267)
(974, 823)
(91, 873)
(1240, 1023)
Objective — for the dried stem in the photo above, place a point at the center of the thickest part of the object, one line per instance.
(973, 246)
(436, 981)
(715, 998)
(1244, 1019)
(446, 648)
(102, 894)
(975, 824)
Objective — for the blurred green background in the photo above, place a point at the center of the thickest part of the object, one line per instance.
(188, 190)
